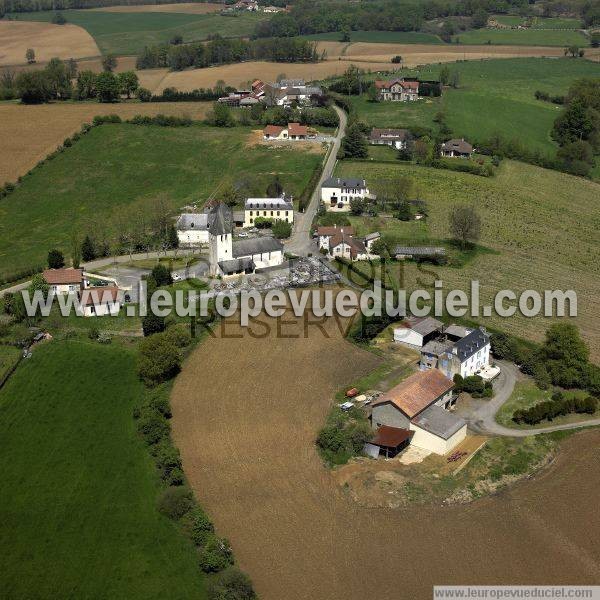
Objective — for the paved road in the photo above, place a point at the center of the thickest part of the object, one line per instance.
(300, 242)
(481, 417)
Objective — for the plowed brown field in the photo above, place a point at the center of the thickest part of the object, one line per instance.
(29, 133)
(245, 414)
(47, 40)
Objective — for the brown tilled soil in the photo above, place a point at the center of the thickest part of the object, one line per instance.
(197, 8)
(30, 133)
(47, 40)
(245, 414)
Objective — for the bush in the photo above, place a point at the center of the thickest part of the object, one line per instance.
(231, 584)
(152, 426)
(179, 335)
(200, 527)
(152, 324)
(167, 459)
(162, 275)
(102, 119)
(216, 555)
(159, 359)
(175, 502)
(93, 333)
(282, 229)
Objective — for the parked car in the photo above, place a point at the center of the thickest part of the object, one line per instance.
(242, 234)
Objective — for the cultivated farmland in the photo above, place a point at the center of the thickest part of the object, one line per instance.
(196, 8)
(47, 40)
(247, 443)
(542, 225)
(78, 510)
(128, 33)
(30, 133)
(115, 172)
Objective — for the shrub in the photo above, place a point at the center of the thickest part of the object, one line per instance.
(162, 275)
(152, 426)
(179, 335)
(201, 528)
(282, 229)
(231, 584)
(175, 502)
(93, 333)
(159, 359)
(216, 555)
(167, 458)
(152, 324)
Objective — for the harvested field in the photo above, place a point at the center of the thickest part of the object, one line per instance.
(31, 132)
(47, 40)
(247, 441)
(194, 8)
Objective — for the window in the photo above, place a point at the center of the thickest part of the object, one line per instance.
(251, 214)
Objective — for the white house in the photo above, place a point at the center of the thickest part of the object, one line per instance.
(397, 90)
(228, 258)
(293, 131)
(289, 91)
(456, 148)
(415, 332)
(348, 247)
(337, 192)
(324, 234)
(418, 407)
(100, 301)
(64, 281)
(467, 355)
(397, 138)
(192, 229)
(278, 209)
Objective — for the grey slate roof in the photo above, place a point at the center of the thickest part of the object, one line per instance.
(256, 246)
(188, 221)
(348, 182)
(458, 146)
(268, 204)
(471, 344)
(238, 216)
(436, 347)
(424, 325)
(236, 265)
(457, 330)
(372, 236)
(389, 134)
(220, 220)
(438, 421)
(420, 250)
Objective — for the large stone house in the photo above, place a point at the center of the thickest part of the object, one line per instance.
(337, 192)
(397, 90)
(278, 209)
(229, 258)
(418, 409)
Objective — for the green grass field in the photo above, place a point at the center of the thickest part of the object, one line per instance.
(9, 355)
(495, 96)
(522, 37)
(128, 33)
(389, 37)
(116, 167)
(78, 515)
(540, 225)
(538, 22)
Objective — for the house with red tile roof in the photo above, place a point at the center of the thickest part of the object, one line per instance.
(64, 281)
(397, 90)
(293, 131)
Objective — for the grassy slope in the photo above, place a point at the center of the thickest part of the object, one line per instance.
(495, 96)
(77, 506)
(117, 166)
(390, 37)
(522, 37)
(128, 33)
(543, 225)
(539, 22)
(8, 357)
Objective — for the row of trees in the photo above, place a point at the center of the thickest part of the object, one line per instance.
(220, 51)
(558, 406)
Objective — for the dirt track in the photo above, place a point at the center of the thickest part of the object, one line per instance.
(246, 411)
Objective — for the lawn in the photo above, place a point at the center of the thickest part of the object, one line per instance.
(389, 37)
(78, 515)
(494, 96)
(538, 22)
(522, 37)
(116, 171)
(128, 33)
(525, 395)
(9, 355)
(540, 226)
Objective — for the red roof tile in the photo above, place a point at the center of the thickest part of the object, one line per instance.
(297, 129)
(99, 295)
(63, 276)
(272, 130)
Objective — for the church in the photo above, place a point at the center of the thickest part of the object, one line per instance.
(229, 258)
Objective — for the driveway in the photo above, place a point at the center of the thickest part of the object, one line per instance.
(300, 243)
(480, 415)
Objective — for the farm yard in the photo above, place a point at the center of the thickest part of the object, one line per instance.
(250, 456)
(493, 97)
(32, 132)
(518, 207)
(118, 168)
(78, 505)
(128, 32)
(64, 41)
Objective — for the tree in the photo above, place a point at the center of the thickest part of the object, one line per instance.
(572, 51)
(216, 555)
(143, 95)
(109, 63)
(221, 116)
(231, 584)
(30, 56)
(403, 211)
(345, 37)
(372, 93)
(479, 19)
(56, 259)
(357, 206)
(574, 123)
(59, 79)
(281, 229)
(86, 85)
(88, 250)
(128, 83)
(455, 79)
(577, 157)
(162, 275)
(159, 359)
(379, 247)
(444, 75)
(423, 150)
(565, 355)
(275, 189)
(33, 87)
(176, 40)
(58, 18)
(354, 144)
(107, 87)
(465, 225)
(397, 59)
(152, 324)
(38, 283)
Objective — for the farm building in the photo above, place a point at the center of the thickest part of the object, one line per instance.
(456, 148)
(278, 209)
(192, 229)
(397, 138)
(402, 252)
(64, 281)
(418, 409)
(415, 332)
(337, 193)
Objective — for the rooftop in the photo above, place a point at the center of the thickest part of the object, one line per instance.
(423, 325)
(187, 221)
(438, 421)
(269, 203)
(458, 145)
(249, 247)
(220, 220)
(417, 392)
(390, 134)
(63, 276)
(334, 230)
(99, 295)
(420, 250)
(471, 343)
(337, 182)
(436, 347)
(391, 437)
(236, 265)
